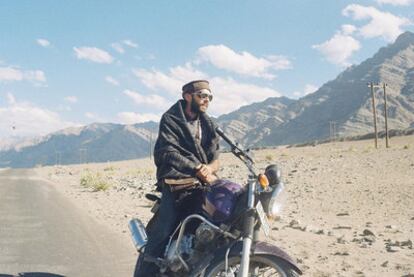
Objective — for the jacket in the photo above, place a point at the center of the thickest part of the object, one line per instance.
(176, 153)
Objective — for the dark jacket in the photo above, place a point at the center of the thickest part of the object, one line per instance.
(176, 152)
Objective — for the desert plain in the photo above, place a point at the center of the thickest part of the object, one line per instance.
(348, 208)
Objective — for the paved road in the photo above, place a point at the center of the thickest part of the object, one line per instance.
(41, 231)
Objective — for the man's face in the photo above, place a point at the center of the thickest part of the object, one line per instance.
(200, 101)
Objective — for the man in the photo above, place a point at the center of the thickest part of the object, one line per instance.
(186, 153)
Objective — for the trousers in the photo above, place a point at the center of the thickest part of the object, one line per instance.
(174, 207)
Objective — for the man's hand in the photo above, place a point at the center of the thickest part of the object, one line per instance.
(205, 173)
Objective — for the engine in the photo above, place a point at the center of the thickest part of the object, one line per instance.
(204, 234)
(191, 247)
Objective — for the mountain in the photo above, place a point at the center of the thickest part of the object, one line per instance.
(98, 142)
(250, 123)
(345, 100)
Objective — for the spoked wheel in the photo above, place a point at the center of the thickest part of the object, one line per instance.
(260, 265)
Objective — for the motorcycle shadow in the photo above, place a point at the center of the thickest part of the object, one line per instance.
(33, 274)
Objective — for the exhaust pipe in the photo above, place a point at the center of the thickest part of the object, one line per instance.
(139, 236)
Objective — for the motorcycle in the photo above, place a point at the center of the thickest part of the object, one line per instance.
(224, 241)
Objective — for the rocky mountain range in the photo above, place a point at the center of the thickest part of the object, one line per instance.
(342, 105)
(345, 101)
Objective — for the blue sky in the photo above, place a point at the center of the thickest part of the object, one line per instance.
(70, 63)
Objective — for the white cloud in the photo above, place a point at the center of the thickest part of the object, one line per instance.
(132, 118)
(26, 119)
(71, 99)
(93, 54)
(118, 47)
(339, 48)
(348, 29)
(112, 80)
(43, 42)
(242, 63)
(171, 82)
(130, 43)
(230, 95)
(94, 117)
(35, 75)
(9, 74)
(396, 2)
(10, 99)
(153, 100)
(381, 24)
(308, 89)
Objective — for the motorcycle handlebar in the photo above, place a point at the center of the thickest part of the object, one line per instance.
(240, 153)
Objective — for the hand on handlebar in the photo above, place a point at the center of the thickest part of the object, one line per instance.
(205, 174)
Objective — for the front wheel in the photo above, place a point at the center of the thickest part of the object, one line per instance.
(260, 265)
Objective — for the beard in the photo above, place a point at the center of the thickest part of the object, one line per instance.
(195, 108)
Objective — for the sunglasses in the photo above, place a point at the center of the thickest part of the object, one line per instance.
(203, 94)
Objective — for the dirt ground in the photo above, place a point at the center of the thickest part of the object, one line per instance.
(349, 209)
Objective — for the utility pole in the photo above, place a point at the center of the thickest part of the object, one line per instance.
(332, 130)
(374, 110)
(150, 145)
(386, 117)
(58, 157)
(82, 155)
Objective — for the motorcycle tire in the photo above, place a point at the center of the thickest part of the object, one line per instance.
(260, 265)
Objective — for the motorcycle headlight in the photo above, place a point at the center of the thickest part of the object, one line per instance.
(274, 204)
(271, 201)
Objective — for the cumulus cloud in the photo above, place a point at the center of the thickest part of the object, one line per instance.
(10, 74)
(152, 100)
(112, 80)
(130, 43)
(71, 99)
(93, 54)
(242, 63)
(35, 76)
(43, 42)
(11, 100)
(308, 89)
(94, 117)
(132, 117)
(119, 46)
(339, 48)
(19, 118)
(396, 2)
(170, 82)
(348, 29)
(381, 24)
(230, 95)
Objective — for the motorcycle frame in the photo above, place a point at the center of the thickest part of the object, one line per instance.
(182, 230)
(248, 227)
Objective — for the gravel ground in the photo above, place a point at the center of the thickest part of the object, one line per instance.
(349, 209)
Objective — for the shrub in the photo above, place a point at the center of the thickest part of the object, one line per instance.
(94, 181)
(109, 168)
(269, 158)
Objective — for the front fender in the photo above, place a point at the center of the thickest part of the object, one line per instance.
(261, 248)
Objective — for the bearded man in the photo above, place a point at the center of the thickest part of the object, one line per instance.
(186, 154)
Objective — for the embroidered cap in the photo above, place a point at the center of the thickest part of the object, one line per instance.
(195, 86)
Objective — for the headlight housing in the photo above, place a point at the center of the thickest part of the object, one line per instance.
(271, 200)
